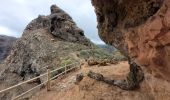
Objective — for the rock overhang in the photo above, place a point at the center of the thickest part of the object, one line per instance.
(139, 29)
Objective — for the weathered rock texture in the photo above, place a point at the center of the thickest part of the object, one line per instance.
(140, 29)
(52, 40)
(131, 81)
(6, 43)
(90, 89)
(60, 25)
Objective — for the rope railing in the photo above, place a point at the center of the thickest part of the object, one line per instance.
(28, 91)
(62, 73)
(50, 72)
(7, 89)
(60, 67)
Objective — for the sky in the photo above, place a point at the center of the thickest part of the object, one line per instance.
(16, 14)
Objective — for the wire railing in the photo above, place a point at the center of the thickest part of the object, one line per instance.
(47, 82)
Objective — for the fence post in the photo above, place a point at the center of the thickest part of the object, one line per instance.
(65, 69)
(79, 65)
(74, 65)
(48, 79)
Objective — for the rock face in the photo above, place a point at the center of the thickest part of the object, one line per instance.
(6, 43)
(131, 82)
(139, 29)
(52, 40)
(60, 25)
(45, 41)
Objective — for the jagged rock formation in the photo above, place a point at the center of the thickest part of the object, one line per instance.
(60, 25)
(52, 40)
(6, 43)
(139, 29)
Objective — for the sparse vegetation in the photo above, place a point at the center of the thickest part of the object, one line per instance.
(67, 61)
(100, 53)
(118, 56)
(95, 53)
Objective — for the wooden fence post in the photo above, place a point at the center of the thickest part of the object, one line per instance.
(48, 79)
(65, 69)
(80, 64)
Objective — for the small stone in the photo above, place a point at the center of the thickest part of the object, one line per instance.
(79, 77)
(52, 39)
(92, 62)
(96, 76)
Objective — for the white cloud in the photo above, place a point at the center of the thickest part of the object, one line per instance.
(7, 31)
(16, 14)
(97, 42)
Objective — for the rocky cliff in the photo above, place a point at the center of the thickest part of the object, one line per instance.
(53, 40)
(139, 29)
(6, 43)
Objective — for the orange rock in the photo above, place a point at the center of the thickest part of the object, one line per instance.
(139, 29)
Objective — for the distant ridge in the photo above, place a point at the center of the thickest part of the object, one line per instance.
(6, 43)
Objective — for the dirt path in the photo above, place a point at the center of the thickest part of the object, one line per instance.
(63, 89)
(90, 89)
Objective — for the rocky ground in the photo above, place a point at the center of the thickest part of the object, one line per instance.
(90, 89)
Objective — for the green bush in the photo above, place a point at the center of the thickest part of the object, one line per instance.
(95, 53)
(118, 56)
(64, 62)
(67, 61)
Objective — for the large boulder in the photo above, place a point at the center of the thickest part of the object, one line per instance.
(139, 29)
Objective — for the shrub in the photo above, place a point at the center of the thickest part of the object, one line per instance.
(118, 56)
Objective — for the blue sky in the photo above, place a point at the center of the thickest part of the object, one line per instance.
(16, 14)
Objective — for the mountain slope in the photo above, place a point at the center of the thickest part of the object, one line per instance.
(107, 48)
(53, 40)
(6, 43)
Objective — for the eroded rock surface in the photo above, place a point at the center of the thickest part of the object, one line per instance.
(131, 81)
(139, 29)
(52, 40)
(60, 24)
